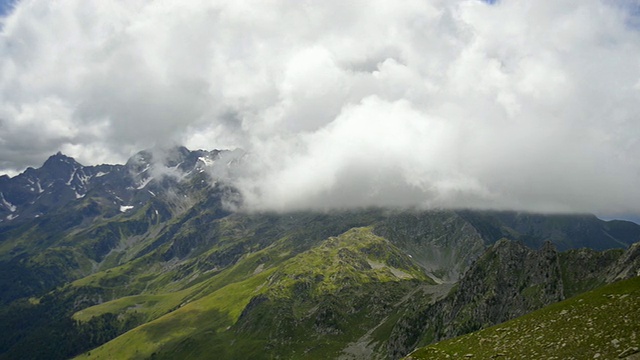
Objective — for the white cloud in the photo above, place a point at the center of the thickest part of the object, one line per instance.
(524, 105)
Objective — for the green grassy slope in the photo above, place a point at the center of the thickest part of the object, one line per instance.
(208, 315)
(603, 323)
(314, 303)
(335, 280)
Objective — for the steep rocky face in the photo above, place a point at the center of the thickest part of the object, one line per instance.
(507, 281)
(140, 241)
(442, 242)
(584, 269)
(61, 180)
(599, 324)
(64, 220)
(54, 184)
(627, 265)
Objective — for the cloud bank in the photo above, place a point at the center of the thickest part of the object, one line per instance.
(434, 103)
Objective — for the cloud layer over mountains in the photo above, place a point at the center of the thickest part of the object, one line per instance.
(529, 105)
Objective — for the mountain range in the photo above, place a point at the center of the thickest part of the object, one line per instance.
(153, 259)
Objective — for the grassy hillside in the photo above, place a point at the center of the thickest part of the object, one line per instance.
(129, 264)
(290, 285)
(604, 323)
(314, 303)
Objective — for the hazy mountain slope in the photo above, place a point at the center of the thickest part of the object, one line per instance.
(72, 236)
(603, 323)
(114, 213)
(175, 267)
(565, 231)
(150, 243)
(442, 242)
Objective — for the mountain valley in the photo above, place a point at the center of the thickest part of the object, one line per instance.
(156, 259)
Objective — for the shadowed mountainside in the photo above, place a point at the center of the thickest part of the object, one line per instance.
(146, 260)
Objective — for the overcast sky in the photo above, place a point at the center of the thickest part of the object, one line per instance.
(517, 104)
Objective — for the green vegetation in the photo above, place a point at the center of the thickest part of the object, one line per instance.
(159, 268)
(207, 315)
(151, 306)
(604, 323)
(181, 277)
(314, 303)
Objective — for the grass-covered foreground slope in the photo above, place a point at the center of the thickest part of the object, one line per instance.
(604, 324)
(311, 305)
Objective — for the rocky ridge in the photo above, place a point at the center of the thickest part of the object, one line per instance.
(599, 324)
(62, 180)
(157, 251)
(508, 281)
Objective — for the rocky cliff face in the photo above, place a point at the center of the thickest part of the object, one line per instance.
(627, 266)
(583, 269)
(442, 242)
(62, 180)
(598, 324)
(507, 281)
(121, 246)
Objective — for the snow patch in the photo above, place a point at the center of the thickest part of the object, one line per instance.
(206, 161)
(151, 192)
(146, 167)
(71, 178)
(125, 208)
(145, 182)
(84, 178)
(12, 216)
(101, 174)
(78, 196)
(7, 204)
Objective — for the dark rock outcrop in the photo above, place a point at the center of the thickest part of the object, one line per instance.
(508, 281)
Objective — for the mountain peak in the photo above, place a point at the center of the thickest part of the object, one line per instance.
(59, 166)
(59, 157)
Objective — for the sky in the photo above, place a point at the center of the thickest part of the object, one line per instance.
(509, 104)
(6, 6)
